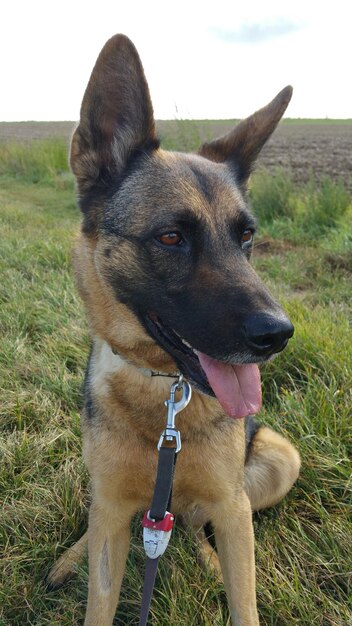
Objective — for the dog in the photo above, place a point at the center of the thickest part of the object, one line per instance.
(162, 264)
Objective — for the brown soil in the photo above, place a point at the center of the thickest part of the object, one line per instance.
(272, 246)
(318, 149)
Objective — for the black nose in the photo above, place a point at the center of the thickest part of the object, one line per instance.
(266, 334)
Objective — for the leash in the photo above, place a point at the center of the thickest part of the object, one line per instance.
(158, 521)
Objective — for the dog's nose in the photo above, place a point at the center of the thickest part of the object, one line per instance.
(266, 334)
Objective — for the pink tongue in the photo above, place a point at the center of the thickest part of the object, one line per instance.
(237, 387)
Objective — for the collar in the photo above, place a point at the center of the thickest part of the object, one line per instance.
(145, 371)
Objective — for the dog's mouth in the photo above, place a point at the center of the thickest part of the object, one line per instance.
(236, 386)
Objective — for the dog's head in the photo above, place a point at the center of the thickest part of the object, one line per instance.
(170, 237)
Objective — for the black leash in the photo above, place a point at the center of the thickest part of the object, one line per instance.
(158, 521)
(160, 504)
(150, 571)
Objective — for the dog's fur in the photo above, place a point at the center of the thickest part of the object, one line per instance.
(131, 193)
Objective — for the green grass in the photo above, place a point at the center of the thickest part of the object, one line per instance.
(303, 545)
(43, 161)
(313, 212)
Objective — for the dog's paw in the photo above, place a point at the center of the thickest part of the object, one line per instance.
(65, 567)
(209, 561)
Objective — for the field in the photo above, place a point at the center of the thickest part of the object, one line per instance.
(304, 254)
(321, 147)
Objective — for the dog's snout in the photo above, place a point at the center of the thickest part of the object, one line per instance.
(266, 334)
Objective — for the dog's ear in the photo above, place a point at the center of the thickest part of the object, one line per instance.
(116, 115)
(241, 146)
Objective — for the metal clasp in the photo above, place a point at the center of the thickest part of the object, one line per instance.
(170, 434)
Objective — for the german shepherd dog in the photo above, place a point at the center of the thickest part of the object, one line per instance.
(162, 265)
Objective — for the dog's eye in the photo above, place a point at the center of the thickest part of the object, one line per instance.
(170, 239)
(247, 238)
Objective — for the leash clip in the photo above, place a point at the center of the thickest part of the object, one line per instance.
(171, 437)
(156, 535)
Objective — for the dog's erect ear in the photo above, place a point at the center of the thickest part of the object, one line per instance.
(241, 146)
(116, 115)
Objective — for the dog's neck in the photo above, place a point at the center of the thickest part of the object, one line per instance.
(117, 383)
(146, 371)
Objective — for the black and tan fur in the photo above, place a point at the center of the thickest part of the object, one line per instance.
(131, 192)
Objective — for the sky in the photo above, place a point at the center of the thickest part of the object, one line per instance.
(214, 60)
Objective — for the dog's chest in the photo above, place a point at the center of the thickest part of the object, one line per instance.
(125, 467)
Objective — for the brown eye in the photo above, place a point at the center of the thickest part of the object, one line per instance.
(170, 239)
(247, 238)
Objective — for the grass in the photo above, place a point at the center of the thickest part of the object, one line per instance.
(309, 212)
(303, 545)
(44, 161)
(315, 213)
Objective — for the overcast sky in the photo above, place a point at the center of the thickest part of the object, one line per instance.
(203, 59)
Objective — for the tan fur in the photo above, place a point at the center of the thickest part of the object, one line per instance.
(125, 414)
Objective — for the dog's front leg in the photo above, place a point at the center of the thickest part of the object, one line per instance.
(232, 522)
(108, 544)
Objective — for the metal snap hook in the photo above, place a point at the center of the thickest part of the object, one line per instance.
(170, 433)
(181, 404)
